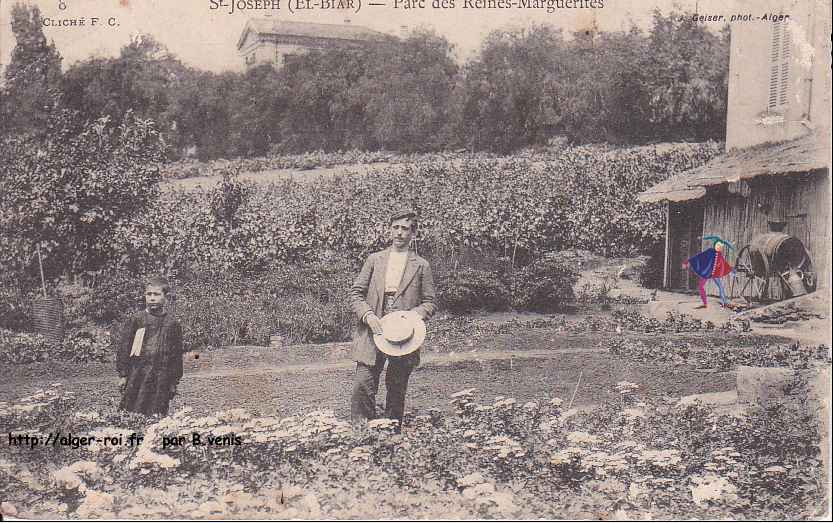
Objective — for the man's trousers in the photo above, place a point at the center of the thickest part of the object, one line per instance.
(366, 384)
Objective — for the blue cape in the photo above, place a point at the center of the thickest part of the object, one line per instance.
(703, 264)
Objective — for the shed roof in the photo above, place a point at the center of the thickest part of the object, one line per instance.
(807, 153)
(309, 29)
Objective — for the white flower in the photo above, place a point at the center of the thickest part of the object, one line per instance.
(8, 509)
(381, 423)
(712, 488)
(661, 458)
(580, 437)
(87, 469)
(775, 470)
(464, 392)
(66, 479)
(633, 413)
(95, 505)
(471, 480)
(88, 416)
(479, 491)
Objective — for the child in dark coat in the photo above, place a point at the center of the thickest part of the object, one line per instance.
(149, 354)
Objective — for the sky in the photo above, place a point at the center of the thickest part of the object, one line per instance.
(206, 38)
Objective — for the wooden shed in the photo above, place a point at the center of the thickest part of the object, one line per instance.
(745, 193)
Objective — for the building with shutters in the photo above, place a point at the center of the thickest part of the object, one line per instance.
(273, 41)
(774, 175)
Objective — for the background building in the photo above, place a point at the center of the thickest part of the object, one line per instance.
(267, 40)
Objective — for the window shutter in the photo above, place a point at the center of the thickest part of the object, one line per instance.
(779, 66)
(785, 64)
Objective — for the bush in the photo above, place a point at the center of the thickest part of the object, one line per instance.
(304, 304)
(470, 289)
(86, 345)
(65, 191)
(14, 311)
(545, 285)
(18, 347)
(583, 197)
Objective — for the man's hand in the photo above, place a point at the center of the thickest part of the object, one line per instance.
(374, 323)
(122, 383)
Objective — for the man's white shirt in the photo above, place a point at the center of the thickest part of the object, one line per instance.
(396, 267)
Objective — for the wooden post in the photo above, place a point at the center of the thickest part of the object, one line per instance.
(666, 265)
(42, 279)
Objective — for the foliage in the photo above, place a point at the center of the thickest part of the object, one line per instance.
(525, 87)
(639, 458)
(302, 304)
(545, 285)
(140, 82)
(511, 90)
(32, 77)
(15, 309)
(598, 293)
(407, 91)
(503, 207)
(469, 289)
(68, 190)
(689, 67)
(687, 353)
(21, 347)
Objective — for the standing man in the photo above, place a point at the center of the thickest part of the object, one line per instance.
(395, 279)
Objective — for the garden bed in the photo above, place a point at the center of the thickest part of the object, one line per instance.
(631, 457)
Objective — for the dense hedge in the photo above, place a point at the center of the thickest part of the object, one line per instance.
(585, 198)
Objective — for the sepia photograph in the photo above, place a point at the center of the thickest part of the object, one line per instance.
(415, 260)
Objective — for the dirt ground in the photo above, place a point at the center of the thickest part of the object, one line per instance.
(520, 362)
(526, 365)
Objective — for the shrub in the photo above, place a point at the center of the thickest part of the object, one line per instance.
(18, 347)
(303, 303)
(545, 285)
(584, 197)
(14, 311)
(86, 345)
(65, 190)
(469, 289)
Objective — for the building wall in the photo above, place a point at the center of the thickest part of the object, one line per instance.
(274, 49)
(750, 120)
(801, 201)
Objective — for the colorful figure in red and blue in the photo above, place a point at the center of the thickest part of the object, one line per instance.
(711, 265)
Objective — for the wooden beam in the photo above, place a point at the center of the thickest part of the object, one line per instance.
(667, 257)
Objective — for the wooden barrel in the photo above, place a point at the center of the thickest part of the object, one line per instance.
(48, 319)
(779, 251)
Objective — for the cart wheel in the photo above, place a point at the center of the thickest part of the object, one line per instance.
(745, 282)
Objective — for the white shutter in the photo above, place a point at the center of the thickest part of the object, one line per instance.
(779, 66)
(783, 88)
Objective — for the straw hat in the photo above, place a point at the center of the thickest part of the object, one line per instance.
(402, 333)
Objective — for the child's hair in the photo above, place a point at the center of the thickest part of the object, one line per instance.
(158, 281)
(411, 215)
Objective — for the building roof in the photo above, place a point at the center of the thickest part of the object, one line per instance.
(309, 29)
(807, 153)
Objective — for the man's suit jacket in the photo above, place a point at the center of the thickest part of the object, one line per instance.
(416, 292)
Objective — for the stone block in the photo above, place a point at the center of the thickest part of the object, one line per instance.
(761, 385)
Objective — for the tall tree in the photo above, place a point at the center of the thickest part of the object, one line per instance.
(141, 79)
(512, 89)
(688, 78)
(407, 90)
(33, 76)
